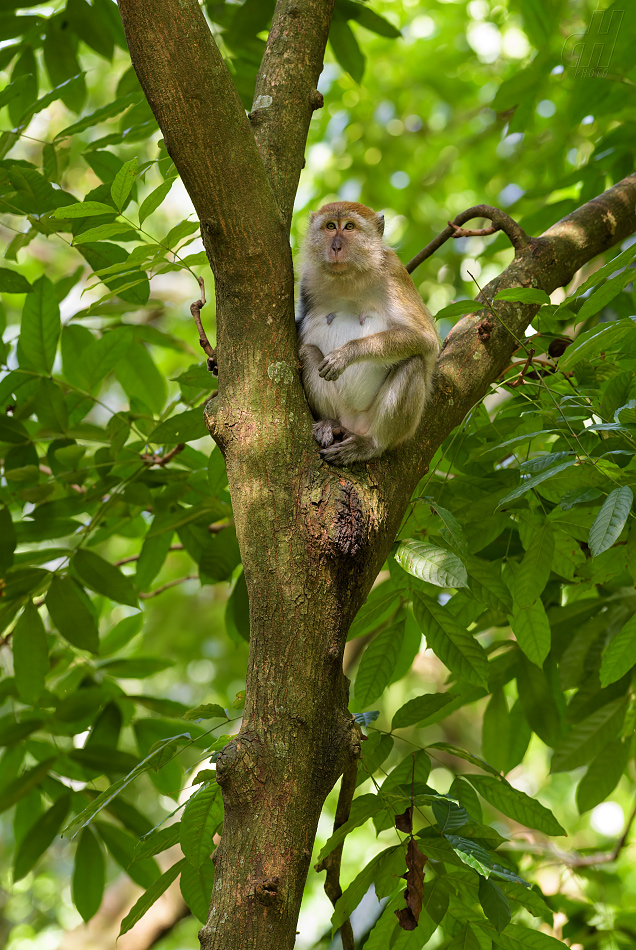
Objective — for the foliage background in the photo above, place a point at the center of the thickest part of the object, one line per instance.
(477, 102)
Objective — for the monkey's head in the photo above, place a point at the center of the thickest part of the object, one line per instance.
(345, 237)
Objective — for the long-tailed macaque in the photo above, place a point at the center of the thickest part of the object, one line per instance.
(367, 342)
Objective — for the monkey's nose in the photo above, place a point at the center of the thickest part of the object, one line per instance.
(336, 244)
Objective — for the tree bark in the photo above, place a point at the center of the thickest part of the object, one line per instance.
(312, 537)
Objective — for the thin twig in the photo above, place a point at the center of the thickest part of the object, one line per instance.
(151, 458)
(135, 557)
(215, 528)
(524, 369)
(331, 863)
(206, 346)
(159, 590)
(605, 857)
(500, 222)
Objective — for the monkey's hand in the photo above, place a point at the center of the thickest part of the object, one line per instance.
(333, 365)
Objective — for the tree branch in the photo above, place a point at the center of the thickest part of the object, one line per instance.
(500, 222)
(284, 98)
(479, 347)
(331, 864)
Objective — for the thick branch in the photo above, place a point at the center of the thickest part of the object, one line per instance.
(286, 96)
(480, 345)
(207, 134)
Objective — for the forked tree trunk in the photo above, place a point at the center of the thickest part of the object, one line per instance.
(312, 537)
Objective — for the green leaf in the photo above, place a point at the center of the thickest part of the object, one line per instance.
(486, 584)
(206, 711)
(105, 112)
(184, 427)
(40, 328)
(528, 483)
(534, 570)
(589, 344)
(604, 295)
(377, 665)
(8, 540)
(602, 776)
(362, 808)
(494, 903)
(103, 577)
(620, 655)
(149, 897)
(39, 836)
(25, 72)
(523, 295)
(586, 739)
(453, 531)
(419, 709)
(449, 815)
(122, 844)
(104, 799)
(84, 209)
(431, 564)
(12, 282)
(88, 875)
(30, 655)
(158, 840)
(531, 628)
(196, 888)
(21, 786)
(154, 199)
(472, 854)
(352, 896)
(70, 614)
(103, 231)
(463, 754)
(378, 605)
(515, 804)
(202, 817)
(459, 308)
(124, 180)
(367, 18)
(89, 25)
(465, 940)
(136, 667)
(153, 554)
(495, 732)
(345, 48)
(517, 937)
(121, 634)
(610, 520)
(455, 647)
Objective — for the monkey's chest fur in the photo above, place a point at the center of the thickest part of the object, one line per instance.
(349, 398)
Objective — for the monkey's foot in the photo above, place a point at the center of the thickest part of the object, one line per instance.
(327, 431)
(352, 448)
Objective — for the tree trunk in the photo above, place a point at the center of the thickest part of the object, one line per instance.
(312, 537)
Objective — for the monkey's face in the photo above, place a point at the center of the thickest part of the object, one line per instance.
(346, 237)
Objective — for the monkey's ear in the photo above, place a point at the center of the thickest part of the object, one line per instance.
(379, 223)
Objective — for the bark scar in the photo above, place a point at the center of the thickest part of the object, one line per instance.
(350, 528)
(266, 890)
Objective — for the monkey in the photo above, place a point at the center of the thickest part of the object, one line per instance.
(368, 344)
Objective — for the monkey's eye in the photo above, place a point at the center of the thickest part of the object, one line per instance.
(349, 226)
(330, 226)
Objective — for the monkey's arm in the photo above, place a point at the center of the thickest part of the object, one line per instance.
(387, 347)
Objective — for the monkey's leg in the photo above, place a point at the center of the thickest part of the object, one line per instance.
(327, 429)
(398, 409)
